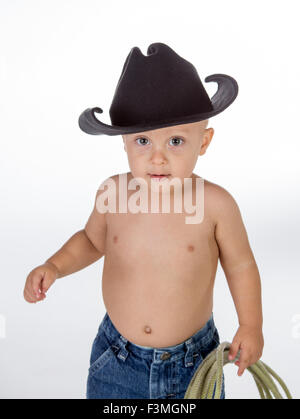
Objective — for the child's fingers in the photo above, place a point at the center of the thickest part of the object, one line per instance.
(233, 350)
(36, 284)
(243, 362)
(47, 281)
(241, 369)
(28, 292)
(29, 297)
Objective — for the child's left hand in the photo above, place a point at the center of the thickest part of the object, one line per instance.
(249, 340)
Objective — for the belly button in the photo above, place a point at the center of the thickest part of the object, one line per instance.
(190, 248)
(115, 239)
(147, 329)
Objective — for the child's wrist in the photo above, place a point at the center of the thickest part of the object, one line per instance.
(254, 326)
(53, 266)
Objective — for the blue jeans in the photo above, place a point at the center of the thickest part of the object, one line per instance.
(120, 369)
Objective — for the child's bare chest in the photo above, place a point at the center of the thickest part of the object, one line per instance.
(161, 243)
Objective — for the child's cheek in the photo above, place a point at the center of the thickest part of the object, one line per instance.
(141, 150)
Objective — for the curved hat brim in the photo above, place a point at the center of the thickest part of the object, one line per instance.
(224, 96)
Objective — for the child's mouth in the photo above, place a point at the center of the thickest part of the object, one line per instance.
(160, 176)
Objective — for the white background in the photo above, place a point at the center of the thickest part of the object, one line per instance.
(59, 57)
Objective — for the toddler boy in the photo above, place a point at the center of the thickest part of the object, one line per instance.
(159, 269)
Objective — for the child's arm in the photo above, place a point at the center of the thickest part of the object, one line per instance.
(77, 253)
(82, 249)
(243, 279)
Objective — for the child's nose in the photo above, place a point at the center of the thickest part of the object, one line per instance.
(158, 157)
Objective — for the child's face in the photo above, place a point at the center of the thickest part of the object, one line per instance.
(171, 150)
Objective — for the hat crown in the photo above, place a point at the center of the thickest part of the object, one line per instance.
(159, 86)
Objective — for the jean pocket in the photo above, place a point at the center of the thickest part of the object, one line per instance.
(102, 352)
(211, 345)
(216, 337)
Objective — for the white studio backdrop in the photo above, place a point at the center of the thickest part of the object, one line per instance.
(59, 57)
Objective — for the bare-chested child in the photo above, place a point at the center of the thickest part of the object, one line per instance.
(159, 271)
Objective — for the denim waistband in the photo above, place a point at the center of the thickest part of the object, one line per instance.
(198, 340)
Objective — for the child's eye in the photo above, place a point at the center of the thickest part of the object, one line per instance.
(143, 140)
(177, 141)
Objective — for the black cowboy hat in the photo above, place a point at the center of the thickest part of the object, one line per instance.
(159, 90)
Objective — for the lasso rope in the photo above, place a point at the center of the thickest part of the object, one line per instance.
(210, 373)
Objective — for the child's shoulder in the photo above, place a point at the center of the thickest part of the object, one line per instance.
(218, 199)
(217, 191)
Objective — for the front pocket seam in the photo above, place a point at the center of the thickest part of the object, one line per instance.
(100, 361)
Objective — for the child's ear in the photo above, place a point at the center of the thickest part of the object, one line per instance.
(207, 137)
(124, 143)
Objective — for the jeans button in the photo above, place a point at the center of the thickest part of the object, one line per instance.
(165, 355)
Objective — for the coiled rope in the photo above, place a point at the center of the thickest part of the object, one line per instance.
(210, 373)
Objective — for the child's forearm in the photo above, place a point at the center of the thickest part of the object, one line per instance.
(77, 253)
(245, 288)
